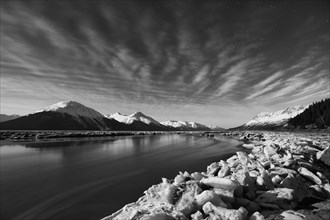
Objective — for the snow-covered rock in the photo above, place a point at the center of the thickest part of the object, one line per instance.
(129, 119)
(274, 119)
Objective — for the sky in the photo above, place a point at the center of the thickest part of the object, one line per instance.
(212, 62)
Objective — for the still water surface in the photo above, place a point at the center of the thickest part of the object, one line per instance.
(91, 178)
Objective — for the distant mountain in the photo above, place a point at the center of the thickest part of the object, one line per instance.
(138, 122)
(4, 117)
(317, 115)
(216, 128)
(185, 126)
(129, 119)
(66, 115)
(273, 120)
(70, 115)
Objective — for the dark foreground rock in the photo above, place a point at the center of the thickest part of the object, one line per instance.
(285, 176)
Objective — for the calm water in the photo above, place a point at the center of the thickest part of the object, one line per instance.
(91, 178)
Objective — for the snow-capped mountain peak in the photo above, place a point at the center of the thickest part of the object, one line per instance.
(139, 116)
(216, 128)
(129, 119)
(175, 124)
(72, 108)
(278, 118)
(117, 116)
(184, 125)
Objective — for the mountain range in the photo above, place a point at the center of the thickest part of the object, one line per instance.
(70, 115)
(186, 126)
(273, 120)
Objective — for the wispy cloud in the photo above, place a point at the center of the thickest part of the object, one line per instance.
(155, 53)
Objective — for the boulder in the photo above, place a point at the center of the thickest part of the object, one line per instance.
(253, 174)
(225, 195)
(270, 150)
(324, 156)
(225, 170)
(197, 176)
(301, 190)
(309, 175)
(187, 202)
(243, 158)
(212, 167)
(266, 180)
(163, 192)
(244, 212)
(179, 179)
(283, 197)
(221, 183)
(233, 161)
(197, 216)
(212, 216)
(257, 150)
(249, 187)
(256, 216)
(223, 213)
(277, 180)
(292, 215)
(250, 206)
(281, 171)
(326, 189)
(307, 140)
(209, 196)
(248, 146)
(308, 166)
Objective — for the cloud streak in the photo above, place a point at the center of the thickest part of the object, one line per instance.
(158, 54)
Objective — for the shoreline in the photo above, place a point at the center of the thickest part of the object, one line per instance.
(284, 176)
(36, 135)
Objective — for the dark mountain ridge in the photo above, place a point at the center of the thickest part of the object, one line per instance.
(317, 115)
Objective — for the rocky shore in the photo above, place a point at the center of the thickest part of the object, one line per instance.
(282, 176)
(45, 134)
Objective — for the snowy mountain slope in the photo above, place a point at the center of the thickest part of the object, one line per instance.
(175, 124)
(274, 119)
(66, 115)
(129, 119)
(70, 115)
(83, 115)
(72, 108)
(184, 125)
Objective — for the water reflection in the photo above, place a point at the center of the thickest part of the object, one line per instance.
(90, 178)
